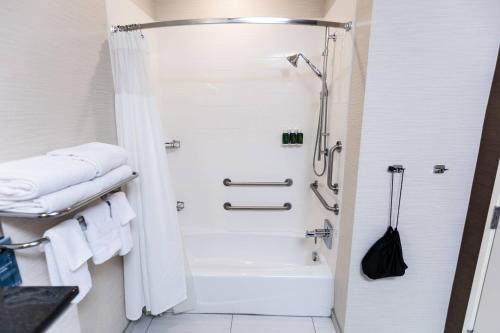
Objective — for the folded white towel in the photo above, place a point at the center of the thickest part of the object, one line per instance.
(36, 176)
(102, 233)
(104, 157)
(67, 254)
(122, 214)
(68, 196)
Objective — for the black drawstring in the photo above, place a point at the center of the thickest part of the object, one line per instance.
(390, 206)
(400, 193)
(399, 199)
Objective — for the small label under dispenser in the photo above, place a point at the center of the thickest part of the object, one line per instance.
(9, 271)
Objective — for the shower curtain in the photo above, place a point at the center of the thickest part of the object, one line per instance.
(154, 273)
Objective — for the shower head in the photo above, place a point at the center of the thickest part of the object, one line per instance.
(294, 59)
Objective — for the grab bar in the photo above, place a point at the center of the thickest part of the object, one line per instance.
(229, 206)
(229, 182)
(333, 186)
(335, 208)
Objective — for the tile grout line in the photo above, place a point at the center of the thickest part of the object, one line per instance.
(150, 322)
(314, 325)
(231, 327)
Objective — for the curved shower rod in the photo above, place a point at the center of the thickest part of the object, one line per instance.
(232, 20)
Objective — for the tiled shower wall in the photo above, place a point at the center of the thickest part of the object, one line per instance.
(227, 92)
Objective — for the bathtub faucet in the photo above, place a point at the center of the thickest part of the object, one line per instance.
(326, 234)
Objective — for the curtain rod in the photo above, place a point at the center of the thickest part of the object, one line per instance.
(232, 20)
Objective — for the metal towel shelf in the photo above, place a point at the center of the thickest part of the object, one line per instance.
(228, 182)
(60, 213)
(75, 207)
(229, 206)
(37, 242)
(335, 208)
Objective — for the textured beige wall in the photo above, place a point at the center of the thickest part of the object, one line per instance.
(56, 90)
(184, 9)
(347, 122)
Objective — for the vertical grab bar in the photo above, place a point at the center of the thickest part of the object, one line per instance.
(329, 181)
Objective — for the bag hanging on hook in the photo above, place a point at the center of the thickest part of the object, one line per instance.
(385, 257)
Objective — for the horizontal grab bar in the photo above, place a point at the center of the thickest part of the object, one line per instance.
(335, 208)
(229, 182)
(229, 206)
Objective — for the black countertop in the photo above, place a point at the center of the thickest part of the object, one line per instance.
(32, 309)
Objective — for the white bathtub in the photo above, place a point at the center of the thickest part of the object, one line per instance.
(256, 273)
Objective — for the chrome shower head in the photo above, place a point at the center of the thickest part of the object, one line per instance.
(294, 59)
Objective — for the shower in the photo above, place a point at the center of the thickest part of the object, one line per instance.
(294, 59)
(321, 141)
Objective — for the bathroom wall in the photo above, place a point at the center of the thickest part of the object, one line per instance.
(228, 93)
(430, 67)
(346, 126)
(56, 90)
(185, 9)
(340, 54)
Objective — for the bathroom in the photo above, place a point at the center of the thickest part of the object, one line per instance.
(268, 141)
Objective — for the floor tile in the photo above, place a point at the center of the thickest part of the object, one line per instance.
(323, 325)
(271, 324)
(139, 326)
(191, 323)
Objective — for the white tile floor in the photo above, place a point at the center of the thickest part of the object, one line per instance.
(221, 323)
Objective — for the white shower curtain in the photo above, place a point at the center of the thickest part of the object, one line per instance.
(154, 270)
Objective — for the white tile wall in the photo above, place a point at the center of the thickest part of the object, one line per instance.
(426, 92)
(227, 94)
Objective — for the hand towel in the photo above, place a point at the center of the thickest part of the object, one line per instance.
(102, 233)
(32, 177)
(122, 214)
(67, 253)
(68, 196)
(104, 157)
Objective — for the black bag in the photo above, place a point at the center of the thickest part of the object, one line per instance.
(385, 257)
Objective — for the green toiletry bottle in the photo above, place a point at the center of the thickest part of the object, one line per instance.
(293, 138)
(285, 138)
(300, 138)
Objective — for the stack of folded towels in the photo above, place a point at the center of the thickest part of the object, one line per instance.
(61, 178)
(58, 180)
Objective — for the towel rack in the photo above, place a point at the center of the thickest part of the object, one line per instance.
(60, 213)
(75, 207)
(229, 206)
(36, 242)
(335, 208)
(229, 182)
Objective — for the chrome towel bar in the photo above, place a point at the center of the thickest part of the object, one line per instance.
(75, 207)
(335, 208)
(36, 242)
(229, 182)
(229, 206)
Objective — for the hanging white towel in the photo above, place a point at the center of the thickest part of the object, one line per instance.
(67, 253)
(104, 157)
(102, 233)
(36, 176)
(122, 214)
(68, 196)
